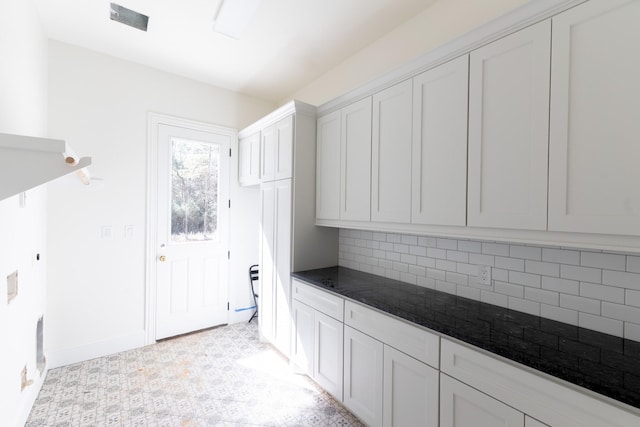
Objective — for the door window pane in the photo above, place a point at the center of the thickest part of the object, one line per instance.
(194, 190)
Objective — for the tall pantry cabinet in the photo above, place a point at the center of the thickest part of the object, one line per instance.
(288, 238)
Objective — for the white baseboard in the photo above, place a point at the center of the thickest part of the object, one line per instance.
(67, 356)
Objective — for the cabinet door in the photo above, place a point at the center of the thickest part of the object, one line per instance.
(268, 144)
(410, 391)
(328, 167)
(328, 354)
(439, 168)
(508, 131)
(284, 148)
(249, 160)
(282, 280)
(363, 376)
(391, 154)
(267, 260)
(355, 162)
(463, 406)
(302, 339)
(594, 147)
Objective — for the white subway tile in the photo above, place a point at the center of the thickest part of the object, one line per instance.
(360, 259)
(436, 274)
(386, 246)
(585, 305)
(525, 252)
(379, 254)
(480, 259)
(427, 282)
(372, 261)
(394, 238)
(601, 324)
(468, 269)
(447, 244)
(631, 331)
(366, 235)
(633, 264)
(366, 268)
(524, 306)
(401, 267)
(603, 260)
(361, 243)
(582, 274)
(458, 279)
(409, 259)
(372, 244)
(445, 265)
(499, 274)
(366, 251)
(507, 263)
(526, 279)
(417, 270)
(621, 279)
(426, 262)
(542, 268)
(436, 253)
(493, 298)
(401, 248)
(564, 286)
(418, 250)
(495, 249)
(429, 242)
(561, 256)
(457, 256)
(386, 264)
(447, 287)
(380, 237)
(560, 314)
(602, 292)
(409, 240)
(409, 278)
(392, 274)
(632, 298)
(393, 256)
(379, 271)
(509, 289)
(470, 246)
(621, 312)
(467, 292)
(540, 295)
(350, 264)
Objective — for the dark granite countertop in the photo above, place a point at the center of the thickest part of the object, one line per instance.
(599, 362)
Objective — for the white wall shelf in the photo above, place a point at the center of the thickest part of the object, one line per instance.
(27, 162)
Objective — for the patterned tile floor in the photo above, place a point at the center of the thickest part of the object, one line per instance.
(219, 377)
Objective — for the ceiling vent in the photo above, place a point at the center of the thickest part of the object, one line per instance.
(129, 17)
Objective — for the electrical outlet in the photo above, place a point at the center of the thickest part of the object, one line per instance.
(484, 275)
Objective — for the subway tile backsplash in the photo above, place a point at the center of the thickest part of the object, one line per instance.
(592, 289)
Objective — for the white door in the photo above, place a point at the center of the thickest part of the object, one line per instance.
(302, 340)
(328, 353)
(192, 230)
(410, 391)
(327, 167)
(463, 406)
(594, 149)
(509, 130)
(391, 154)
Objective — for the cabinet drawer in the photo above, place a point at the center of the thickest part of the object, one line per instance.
(541, 398)
(414, 341)
(324, 302)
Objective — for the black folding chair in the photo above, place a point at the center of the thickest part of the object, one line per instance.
(253, 278)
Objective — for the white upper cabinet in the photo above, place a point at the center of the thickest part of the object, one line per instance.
(328, 167)
(355, 161)
(249, 160)
(439, 168)
(508, 131)
(391, 154)
(594, 171)
(277, 151)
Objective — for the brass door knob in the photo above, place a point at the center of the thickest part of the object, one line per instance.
(163, 258)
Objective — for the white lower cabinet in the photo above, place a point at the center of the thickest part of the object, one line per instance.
(463, 406)
(327, 353)
(410, 391)
(363, 368)
(303, 336)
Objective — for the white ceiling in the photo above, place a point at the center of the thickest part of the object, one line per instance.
(288, 43)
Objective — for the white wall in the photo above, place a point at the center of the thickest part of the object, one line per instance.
(23, 110)
(99, 104)
(442, 22)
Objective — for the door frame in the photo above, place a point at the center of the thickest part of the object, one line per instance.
(154, 120)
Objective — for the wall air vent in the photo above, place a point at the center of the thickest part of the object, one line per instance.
(129, 17)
